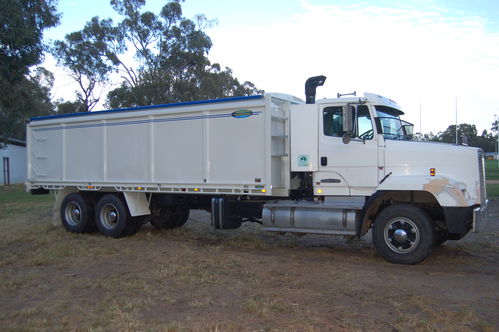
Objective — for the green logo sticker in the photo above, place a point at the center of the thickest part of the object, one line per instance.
(242, 114)
(303, 160)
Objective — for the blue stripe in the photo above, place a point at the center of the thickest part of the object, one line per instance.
(133, 122)
(188, 103)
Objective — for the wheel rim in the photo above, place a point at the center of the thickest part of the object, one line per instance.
(73, 213)
(401, 235)
(109, 216)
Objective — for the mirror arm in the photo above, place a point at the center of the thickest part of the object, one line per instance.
(346, 138)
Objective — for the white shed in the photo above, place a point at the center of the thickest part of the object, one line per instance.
(12, 161)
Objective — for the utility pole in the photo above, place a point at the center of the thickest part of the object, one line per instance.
(456, 123)
(420, 129)
(496, 125)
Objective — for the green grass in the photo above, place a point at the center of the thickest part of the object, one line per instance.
(491, 170)
(17, 194)
(492, 173)
(15, 201)
(492, 190)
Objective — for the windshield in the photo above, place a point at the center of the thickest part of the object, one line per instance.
(392, 126)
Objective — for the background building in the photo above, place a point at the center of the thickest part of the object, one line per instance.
(12, 161)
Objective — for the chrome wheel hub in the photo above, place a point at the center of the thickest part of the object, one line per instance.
(109, 216)
(401, 235)
(73, 213)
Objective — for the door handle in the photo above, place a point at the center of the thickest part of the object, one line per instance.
(323, 161)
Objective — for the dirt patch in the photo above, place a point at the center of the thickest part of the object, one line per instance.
(198, 279)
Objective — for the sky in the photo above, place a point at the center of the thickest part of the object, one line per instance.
(432, 57)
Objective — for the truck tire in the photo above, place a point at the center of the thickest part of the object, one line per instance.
(113, 218)
(163, 219)
(77, 213)
(181, 216)
(403, 234)
(440, 238)
(169, 218)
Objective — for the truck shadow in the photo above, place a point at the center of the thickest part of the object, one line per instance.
(482, 249)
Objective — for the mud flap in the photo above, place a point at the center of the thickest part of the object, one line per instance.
(137, 203)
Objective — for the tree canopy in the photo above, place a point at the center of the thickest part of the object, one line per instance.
(25, 92)
(466, 134)
(21, 34)
(170, 62)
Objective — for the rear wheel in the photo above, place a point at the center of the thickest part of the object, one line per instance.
(403, 234)
(180, 217)
(77, 213)
(169, 218)
(113, 218)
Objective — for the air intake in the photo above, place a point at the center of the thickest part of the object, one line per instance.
(311, 85)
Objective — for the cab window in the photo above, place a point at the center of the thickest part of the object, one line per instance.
(333, 122)
(364, 124)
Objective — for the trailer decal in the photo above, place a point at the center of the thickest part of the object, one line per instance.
(242, 114)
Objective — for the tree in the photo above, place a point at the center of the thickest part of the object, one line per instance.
(171, 51)
(21, 46)
(431, 137)
(84, 58)
(25, 92)
(467, 134)
(170, 57)
(66, 107)
(487, 141)
(28, 97)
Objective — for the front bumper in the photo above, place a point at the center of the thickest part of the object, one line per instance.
(480, 217)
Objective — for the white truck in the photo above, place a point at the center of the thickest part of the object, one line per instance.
(335, 166)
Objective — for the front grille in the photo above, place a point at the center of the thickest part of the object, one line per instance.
(481, 169)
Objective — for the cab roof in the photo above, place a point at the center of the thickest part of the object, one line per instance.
(370, 98)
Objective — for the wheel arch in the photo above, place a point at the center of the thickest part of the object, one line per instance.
(446, 190)
(384, 198)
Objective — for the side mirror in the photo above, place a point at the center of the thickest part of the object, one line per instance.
(348, 123)
(408, 128)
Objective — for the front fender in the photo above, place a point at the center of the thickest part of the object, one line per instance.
(446, 190)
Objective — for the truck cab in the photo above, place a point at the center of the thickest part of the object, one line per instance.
(360, 152)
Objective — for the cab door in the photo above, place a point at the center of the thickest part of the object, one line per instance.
(352, 168)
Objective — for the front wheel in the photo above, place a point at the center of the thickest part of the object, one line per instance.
(403, 234)
(440, 238)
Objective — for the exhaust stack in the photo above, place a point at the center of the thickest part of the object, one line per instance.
(311, 85)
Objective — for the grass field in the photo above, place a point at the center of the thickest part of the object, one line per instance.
(198, 279)
(492, 173)
(492, 190)
(491, 170)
